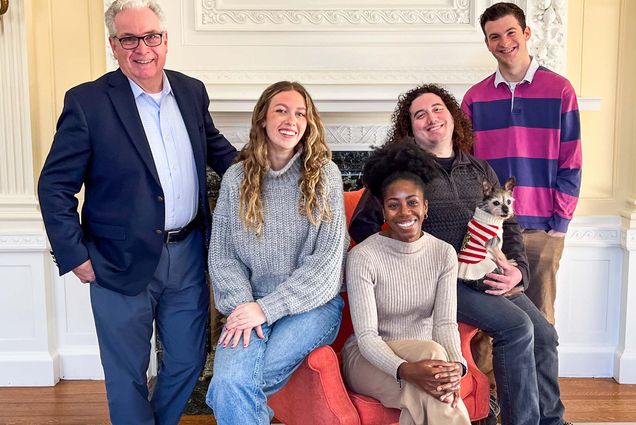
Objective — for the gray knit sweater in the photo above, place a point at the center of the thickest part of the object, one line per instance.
(401, 291)
(294, 266)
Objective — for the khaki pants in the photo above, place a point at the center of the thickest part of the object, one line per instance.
(418, 407)
(544, 254)
(481, 347)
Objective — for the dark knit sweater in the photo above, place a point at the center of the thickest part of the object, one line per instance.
(452, 199)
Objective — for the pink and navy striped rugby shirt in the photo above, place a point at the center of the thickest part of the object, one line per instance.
(532, 133)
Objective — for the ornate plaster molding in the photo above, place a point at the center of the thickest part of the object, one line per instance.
(587, 236)
(362, 135)
(548, 21)
(213, 16)
(628, 236)
(443, 75)
(339, 137)
(24, 242)
(238, 136)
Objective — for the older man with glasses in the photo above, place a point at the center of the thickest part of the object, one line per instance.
(138, 139)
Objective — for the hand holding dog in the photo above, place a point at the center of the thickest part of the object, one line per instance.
(439, 378)
(504, 282)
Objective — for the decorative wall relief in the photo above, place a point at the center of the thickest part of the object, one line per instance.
(547, 19)
(339, 137)
(357, 49)
(447, 74)
(216, 14)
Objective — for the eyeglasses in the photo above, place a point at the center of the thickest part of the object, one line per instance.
(132, 41)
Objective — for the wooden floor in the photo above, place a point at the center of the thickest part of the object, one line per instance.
(84, 403)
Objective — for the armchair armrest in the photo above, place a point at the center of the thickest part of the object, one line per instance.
(315, 393)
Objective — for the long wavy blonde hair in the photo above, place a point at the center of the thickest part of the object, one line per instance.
(315, 154)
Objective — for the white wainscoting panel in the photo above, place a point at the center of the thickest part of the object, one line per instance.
(77, 340)
(47, 331)
(588, 297)
(625, 359)
(28, 355)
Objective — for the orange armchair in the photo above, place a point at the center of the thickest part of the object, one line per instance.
(316, 394)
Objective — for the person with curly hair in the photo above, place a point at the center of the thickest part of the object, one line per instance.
(276, 255)
(402, 289)
(524, 343)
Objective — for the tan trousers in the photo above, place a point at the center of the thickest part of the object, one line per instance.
(544, 254)
(481, 347)
(418, 407)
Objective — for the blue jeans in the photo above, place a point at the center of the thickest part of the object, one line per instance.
(244, 377)
(525, 357)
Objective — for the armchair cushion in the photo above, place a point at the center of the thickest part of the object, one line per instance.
(315, 393)
(372, 412)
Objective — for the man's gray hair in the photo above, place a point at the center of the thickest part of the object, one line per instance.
(119, 5)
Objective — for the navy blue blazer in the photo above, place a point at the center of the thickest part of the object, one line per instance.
(100, 143)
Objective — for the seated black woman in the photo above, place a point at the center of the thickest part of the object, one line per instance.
(403, 294)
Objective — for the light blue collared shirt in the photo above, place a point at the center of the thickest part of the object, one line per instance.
(532, 69)
(172, 153)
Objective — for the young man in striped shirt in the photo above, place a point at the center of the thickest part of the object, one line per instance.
(526, 124)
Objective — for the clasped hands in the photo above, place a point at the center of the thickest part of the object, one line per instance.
(439, 378)
(245, 318)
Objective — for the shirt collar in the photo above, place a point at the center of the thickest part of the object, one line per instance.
(138, 91)
(532, 69)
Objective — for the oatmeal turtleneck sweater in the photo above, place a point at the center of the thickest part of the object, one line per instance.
(401, 291)
(294, 266)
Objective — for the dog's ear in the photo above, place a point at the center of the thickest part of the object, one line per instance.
(486, 187)
(510, 184)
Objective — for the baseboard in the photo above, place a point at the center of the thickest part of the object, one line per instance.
(29, 369)
(81, 363)
(586, 362)
(625, 367)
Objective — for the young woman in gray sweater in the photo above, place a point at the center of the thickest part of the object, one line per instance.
(276, 255)
(403, 295)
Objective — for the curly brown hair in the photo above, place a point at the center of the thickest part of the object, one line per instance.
(401, 118)
(313, 198)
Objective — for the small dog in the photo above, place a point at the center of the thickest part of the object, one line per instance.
(481, 248)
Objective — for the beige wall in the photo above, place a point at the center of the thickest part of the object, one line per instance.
(67, 47)
(626, 118)
(601, 65)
